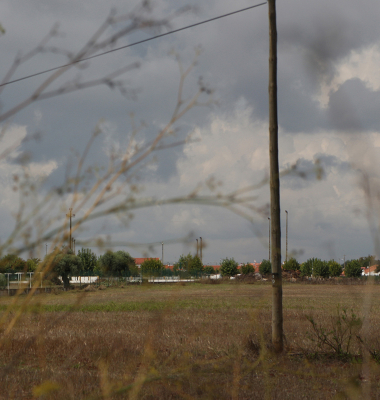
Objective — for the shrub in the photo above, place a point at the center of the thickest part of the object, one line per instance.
(335, 269)
(353, 269)
(339, 334)
(291, 265)
(265, 267)
(229, 267)
(247, 268)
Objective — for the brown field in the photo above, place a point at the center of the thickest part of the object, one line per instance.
(194, 342)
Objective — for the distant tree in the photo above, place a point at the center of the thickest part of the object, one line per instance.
(307, 267)
(12, 263)
(175, 268)
(106, 262)
(229, 267)
(368, 261)
(265, 267)
(291, 265)
(167, 272)
(117, 263)
(335, 269)
(124, 262)
(247, 268)
(189, 263)
(88, 259)
(320, 268)
(184, 262)
(32, 264)
(196, 266)
(353, 269)
(152, 266)
(209, 270)
(64, 264)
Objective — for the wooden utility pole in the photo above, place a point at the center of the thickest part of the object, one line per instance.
(269, 233)
(70, 215)
(277, 319)
(286, 247)
(201, 247)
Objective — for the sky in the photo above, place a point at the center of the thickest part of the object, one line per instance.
(329, 125)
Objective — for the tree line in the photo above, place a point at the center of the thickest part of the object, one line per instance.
(324, 269)
(65, 264)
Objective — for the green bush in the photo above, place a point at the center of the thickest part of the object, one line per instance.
(152, 266)
(12, 263)
(265, 267)
(307, 267)
(247, 268)
(335, 268)
(320, 268)
(88, 259)
(229, 267)
(196, 266)
(192, 264)
(353, 269)
(291, 265)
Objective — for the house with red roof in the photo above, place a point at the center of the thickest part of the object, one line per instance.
(370, 271)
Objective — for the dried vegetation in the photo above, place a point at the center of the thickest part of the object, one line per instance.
(194, 342)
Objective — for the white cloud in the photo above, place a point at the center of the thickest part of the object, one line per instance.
(362, 64)
(233, 148)
(11, 144)
(42, 169)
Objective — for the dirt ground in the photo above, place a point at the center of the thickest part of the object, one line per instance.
(195, 341)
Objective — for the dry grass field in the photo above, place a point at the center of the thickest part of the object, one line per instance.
(195, 341)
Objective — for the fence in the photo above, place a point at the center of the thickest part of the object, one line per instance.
(14, 281)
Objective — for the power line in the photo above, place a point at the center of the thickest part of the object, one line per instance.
(133, 44)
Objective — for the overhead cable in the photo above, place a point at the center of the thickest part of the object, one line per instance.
(132, 44)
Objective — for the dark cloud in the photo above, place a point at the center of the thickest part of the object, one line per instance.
(313, 38)
(354, 107)
(325, 32)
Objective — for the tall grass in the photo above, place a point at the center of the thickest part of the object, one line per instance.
(194, 341)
